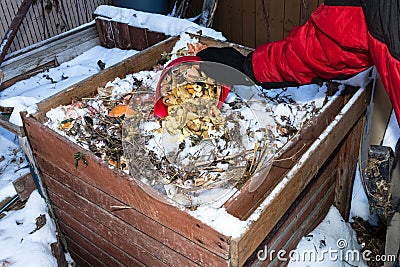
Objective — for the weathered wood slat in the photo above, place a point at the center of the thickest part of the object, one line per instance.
(249, 22)
(121, 32)
(135, 220)
(108, 255)
(348, 156)
(78, 259)
(312, 221)
(13, 29)
(106, 34)
(27, 63)
(138, 38)
(4, 122)
(292, 16)
(46, 144)
(72, 223)
(79, 245)
(305, 169)
(250, 199)
(110, 226)
(298, 220)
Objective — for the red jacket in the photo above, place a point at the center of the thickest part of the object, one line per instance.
(337, 40)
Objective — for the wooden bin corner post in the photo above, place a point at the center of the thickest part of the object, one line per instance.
(348, 156)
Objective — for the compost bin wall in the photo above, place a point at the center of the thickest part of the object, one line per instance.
(110, 218)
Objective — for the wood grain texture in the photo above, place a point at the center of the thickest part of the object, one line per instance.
(307, 211)
(98, 205)
(129, 191)
(106, 35)
(348, 157)
(121, 250)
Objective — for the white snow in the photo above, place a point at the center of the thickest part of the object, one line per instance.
(21, 247)
(155, 22)
(21, 244)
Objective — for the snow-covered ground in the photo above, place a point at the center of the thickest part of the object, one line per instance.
(23, 243)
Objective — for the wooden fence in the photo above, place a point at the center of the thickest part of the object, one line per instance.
(46, 18)
(247, 22)
(253, 22)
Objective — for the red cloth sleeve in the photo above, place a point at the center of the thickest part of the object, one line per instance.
(333, 42)
(389, 70)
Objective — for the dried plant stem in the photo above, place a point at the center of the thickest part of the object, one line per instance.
(205, 163)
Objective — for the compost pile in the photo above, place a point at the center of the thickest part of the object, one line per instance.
(204, 149)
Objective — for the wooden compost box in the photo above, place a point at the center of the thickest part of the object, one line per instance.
(314, 171)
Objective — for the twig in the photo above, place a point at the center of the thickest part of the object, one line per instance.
(247, 152)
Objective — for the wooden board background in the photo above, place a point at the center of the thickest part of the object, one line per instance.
(247, 22)
(43, 21)
(244, 21)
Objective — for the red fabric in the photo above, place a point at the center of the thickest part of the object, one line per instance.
(389, 70)
(334, 41)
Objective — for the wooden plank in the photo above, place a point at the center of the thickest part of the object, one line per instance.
(249, 23)
(24, 186)
(242, 204)
(18, 43)
(296, 221)
(78, 260)
(33, 20)
(263, 33)
(106, 35)
(13, 29)
(292, 16)
(130, 233)
(155, 37)
(298, 178)
(136, 220)
(236, 21)
(121, 35)
(46, 144)
(222, 18)
(113, 241)
(348, 157)
(138, 38)
(276, 16)
(25, 71)
(8, 14)
(29, 62)
(312, 221)
(87, 251)
(6, 124)
(72, 226)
